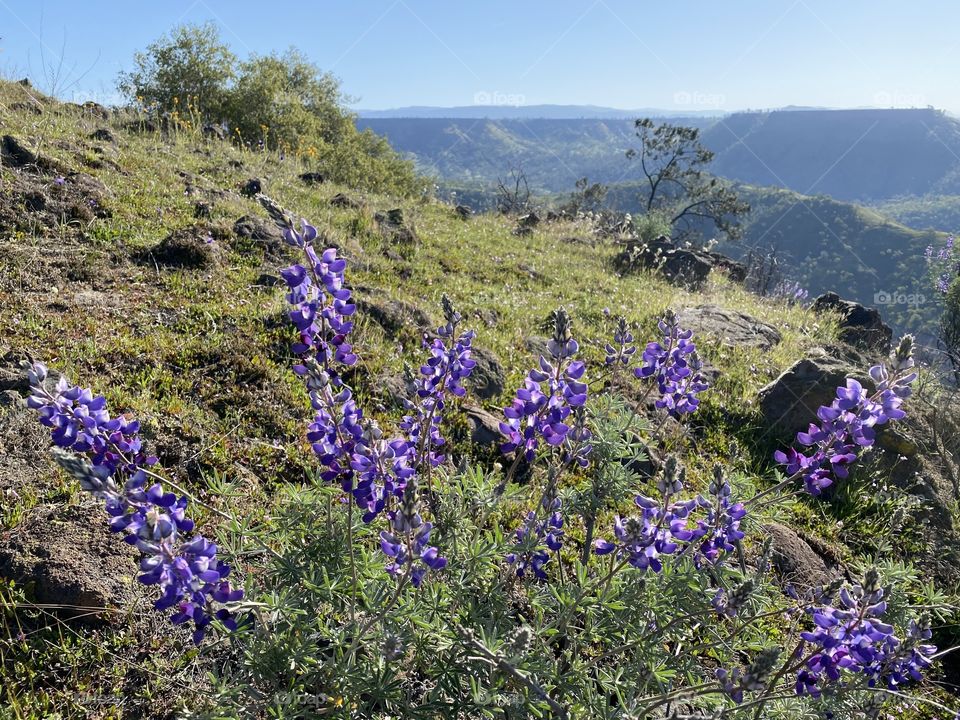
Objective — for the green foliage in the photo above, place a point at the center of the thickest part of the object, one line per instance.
(950, 327)
(191, 64)
(286, 101)
(280, 102)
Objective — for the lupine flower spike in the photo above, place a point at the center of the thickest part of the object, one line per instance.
(105, 455)
(675, 367)
(542, 408)
(848, 425)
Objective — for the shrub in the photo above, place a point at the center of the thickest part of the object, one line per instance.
(279, 102)
(190, 65)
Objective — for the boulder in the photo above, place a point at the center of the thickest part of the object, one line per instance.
(103, 135)
(67, 557)
(487, 379)
(251, 187)
(860, 326)
(189, 248)
(345, 201)
(790, 403)
(795, 561)
(260, 231)
(730, 326)
(484, 426)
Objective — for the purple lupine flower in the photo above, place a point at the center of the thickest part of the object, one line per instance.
(552, 392)
(407, 544)
(538, 538)
(847, 426)
(675, 367)
(622, 349)
(660, 528)
(442, 375)
(852, 638)
(719, 532)
(105, 454)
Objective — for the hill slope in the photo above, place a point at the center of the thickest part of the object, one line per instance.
(131, 261)
(829, 245)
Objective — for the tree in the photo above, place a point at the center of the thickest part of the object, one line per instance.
(673, 163)
(513, 194)
(191, 64)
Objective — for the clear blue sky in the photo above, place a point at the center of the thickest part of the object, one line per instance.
(694, 54)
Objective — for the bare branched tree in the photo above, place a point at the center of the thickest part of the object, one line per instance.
(513, 193)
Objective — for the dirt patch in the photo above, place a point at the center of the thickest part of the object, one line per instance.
(38, 203)
(66, 556)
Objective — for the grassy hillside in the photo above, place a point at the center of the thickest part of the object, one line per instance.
(930, 212)
(191, 338)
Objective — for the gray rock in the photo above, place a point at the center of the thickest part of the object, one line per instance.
(389, 313)
(795, 561)
(259, 230)
(730, 326)
(484, 427)
(487, 379)
(103, 135)
(859, 325)
(790, 402)
(683, 267)
(345, 201)
(537, 344)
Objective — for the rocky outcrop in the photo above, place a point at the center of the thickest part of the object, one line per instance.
(860, 326)
(681, 266)
(189, 248)
(488, 378)
(484, 427)
(795, 561)
(259, 231)
(729, 326)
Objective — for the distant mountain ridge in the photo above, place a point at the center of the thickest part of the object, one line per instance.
(506, 109)
(863, 155)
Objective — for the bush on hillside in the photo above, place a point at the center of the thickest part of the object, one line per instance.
(190, 65)
(278, 102)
